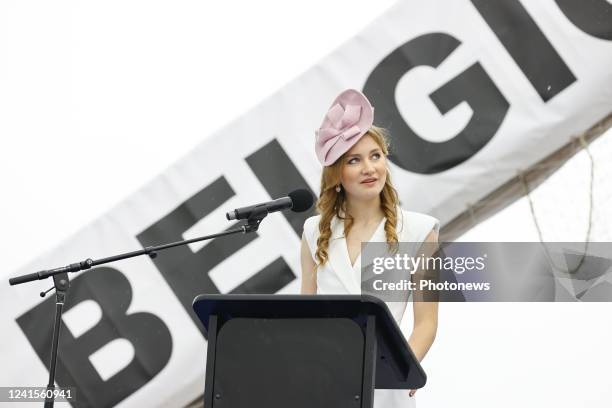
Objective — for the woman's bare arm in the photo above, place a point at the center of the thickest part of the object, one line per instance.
(425, 313)
(309, 278)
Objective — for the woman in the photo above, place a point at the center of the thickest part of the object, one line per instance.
(358, 203)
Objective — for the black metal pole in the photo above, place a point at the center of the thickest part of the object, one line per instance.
(151, 251)
(62, 283)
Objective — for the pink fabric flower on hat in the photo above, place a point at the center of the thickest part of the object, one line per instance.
(347, 120)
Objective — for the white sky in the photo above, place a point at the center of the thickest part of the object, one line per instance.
(67, 155)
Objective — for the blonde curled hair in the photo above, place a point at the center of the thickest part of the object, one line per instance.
(332, 203)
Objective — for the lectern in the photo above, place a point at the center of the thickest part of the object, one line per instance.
(280, 351)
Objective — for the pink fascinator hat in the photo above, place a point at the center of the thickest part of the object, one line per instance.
(347, 120)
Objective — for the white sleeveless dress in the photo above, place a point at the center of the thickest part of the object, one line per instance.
(338, 276)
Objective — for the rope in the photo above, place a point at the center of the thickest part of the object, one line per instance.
(523, 180)
(470, 209)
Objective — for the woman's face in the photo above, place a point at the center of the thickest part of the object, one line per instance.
(364, 170)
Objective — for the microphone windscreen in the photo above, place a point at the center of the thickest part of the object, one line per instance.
(302, 200)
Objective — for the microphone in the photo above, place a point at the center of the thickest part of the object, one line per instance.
(298, 201)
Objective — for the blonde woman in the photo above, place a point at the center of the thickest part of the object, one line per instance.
(357, 203)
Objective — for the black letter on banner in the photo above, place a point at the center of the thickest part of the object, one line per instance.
(187, 272)
(146, 332)
(279, 177)
(527, 45)
(473, 86)
(594, 17)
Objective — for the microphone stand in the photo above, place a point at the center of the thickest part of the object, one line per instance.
(61, 282)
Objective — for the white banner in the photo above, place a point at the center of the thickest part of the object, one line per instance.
(471, 92)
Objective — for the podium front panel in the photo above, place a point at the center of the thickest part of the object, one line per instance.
(389, 356)
(319, 363)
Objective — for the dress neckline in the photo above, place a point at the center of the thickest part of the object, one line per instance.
(345, 243)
